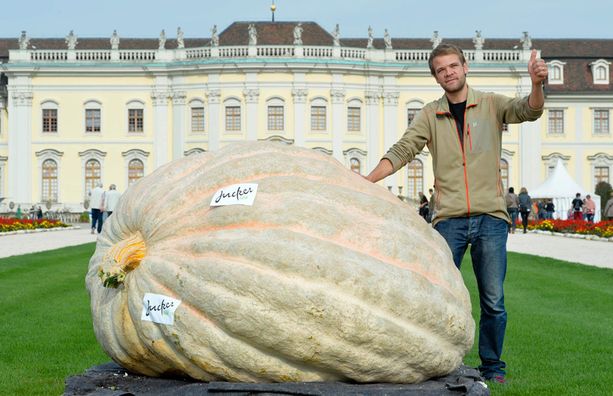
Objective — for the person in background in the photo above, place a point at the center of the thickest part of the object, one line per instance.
(525, 206)
(423, 206)
(540, 210)
(431, 205)
(589, 208)
(39, 213)
(577, 206)
(549, 209)
(95, 202)
(463, 132)
(512, 202)
(111, 198)
(607, 213)
(18, 213)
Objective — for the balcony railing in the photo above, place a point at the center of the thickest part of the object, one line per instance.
(262, 51)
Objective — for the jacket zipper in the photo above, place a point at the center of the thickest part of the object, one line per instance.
(464, 162)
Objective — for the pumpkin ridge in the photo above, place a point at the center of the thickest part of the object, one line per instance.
(218, 290)
(340, 294)
(265, 266)
(296, 364)
(430, 276)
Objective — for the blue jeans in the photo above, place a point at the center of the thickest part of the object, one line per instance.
(513, 213)
(487, 236)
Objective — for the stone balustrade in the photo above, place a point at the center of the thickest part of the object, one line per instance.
(262, 51)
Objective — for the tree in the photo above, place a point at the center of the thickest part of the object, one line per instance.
(603, 189)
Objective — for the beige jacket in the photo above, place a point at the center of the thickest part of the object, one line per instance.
(467, 179)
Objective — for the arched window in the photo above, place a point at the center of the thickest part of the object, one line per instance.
(504, 174)
(415, 175)
(556, 72)
(92, 174)
(49, 181)
(600, 71)
(356, 166)
(136, 170)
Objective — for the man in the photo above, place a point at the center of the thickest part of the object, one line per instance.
(111, 198)
(431, 204)
(512, 202)
(577, 206)
(589, 207)
(95, 202)
(463, 133)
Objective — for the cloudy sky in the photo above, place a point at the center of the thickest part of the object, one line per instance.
(403, 18)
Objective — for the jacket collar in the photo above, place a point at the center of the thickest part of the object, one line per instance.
(442, 107)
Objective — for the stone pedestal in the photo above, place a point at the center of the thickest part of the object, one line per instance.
(111, 379)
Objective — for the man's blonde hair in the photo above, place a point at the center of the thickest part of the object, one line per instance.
(445, 49)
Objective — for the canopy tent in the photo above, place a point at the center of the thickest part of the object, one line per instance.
(561, 189)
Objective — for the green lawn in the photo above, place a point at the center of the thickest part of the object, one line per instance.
(559, 335)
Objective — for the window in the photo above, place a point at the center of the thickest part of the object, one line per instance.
(415, 170)
(136, 170)
(49, 120)
(601, 174)
(354, 119)
(233, 118)
(197, 119)
(92, 174)
(49, 181)
(556, 122)
(556, 72)
(504, 174)
(275, 118)
(411, 113)
(413, 107)
(356, 166)
(318, 118)
(600, 71)
(135, 120)
(92, 120)
(601, 121)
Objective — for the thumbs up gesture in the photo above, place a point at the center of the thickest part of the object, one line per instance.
(537, 69)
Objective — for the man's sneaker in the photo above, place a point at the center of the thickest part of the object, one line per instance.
(499, 379)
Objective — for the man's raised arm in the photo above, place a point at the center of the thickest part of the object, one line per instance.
(538, 73)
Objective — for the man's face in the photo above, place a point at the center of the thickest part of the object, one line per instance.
(450, 73)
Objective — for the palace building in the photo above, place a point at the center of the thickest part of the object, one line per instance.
(78, 111)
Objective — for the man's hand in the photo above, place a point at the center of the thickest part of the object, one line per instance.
(537, 69)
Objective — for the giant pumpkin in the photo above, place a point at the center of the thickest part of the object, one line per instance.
(325, 277)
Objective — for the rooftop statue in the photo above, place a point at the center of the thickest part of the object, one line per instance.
(71, 40)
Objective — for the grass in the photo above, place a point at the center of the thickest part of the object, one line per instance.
(558, 336)
(46, 331)
(558, 339)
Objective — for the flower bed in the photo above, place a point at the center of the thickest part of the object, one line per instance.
(603, 229)
(12, 224)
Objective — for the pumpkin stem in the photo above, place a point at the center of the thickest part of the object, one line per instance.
(123, 257)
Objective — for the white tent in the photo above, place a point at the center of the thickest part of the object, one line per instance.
(561, 188)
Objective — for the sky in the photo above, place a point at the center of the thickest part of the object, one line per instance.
(403, 18)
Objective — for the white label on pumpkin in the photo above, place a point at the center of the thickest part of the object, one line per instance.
(236, 194)
(159, 308)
